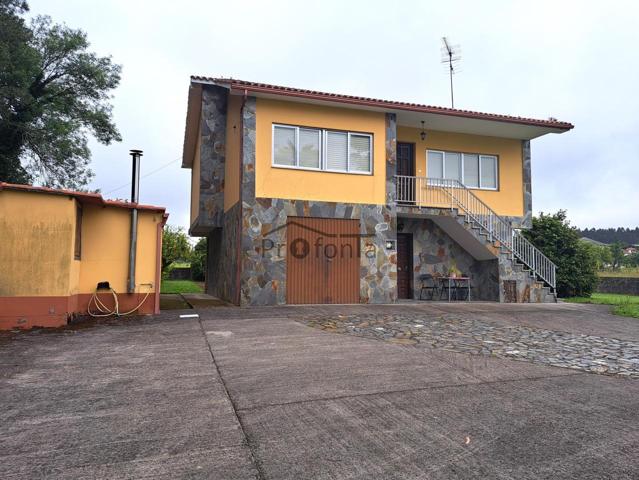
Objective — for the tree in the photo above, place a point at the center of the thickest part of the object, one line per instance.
(198, 260)
(175, 245)
(601, 254)
(616, 252)
(632, 260)
(53, 93)
(576, 263)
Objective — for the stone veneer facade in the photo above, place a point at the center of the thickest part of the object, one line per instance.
(212, 160)
(262, 272)
(434, 251)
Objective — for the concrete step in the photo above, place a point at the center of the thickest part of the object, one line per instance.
(481, 235)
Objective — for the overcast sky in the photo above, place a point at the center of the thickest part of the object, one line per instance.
(576, 61)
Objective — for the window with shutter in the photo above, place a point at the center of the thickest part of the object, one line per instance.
(337, 151)
(318, 149)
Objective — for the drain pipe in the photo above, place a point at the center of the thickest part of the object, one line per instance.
(133, 242)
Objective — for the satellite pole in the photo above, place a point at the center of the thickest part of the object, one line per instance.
(451, 56)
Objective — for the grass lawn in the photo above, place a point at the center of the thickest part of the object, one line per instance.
(180, 286)
(624, 305)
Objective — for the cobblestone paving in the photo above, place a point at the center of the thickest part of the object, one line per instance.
(460, 334)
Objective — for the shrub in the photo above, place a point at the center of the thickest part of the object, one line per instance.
(175, 245)
(198, 260)
(576, 262)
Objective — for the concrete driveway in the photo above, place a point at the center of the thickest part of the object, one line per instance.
(258, 393)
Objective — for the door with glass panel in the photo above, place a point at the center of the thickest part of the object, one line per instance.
(406, 173)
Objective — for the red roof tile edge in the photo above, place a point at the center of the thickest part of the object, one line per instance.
(85, 197)
(374, 102)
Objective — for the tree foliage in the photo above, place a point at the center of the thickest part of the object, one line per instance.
(198, 260)
(601, 254)
(576, 263)
(616, 255)
(625, 235)
(175, 246)
(631, 260)
(54, 92)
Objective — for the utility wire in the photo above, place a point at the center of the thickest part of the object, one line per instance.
(144, 176)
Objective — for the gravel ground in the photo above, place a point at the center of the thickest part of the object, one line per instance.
(595, 354)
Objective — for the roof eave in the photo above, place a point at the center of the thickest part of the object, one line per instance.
(243, 86)
(191, 131)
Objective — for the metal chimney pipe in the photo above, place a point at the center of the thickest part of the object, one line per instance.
(135, 195)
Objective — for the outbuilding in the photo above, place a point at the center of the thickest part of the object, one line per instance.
(62, 250)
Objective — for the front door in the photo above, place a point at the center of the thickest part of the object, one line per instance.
(404, 265)
(406, 168)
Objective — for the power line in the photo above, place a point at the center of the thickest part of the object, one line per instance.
(144, 176)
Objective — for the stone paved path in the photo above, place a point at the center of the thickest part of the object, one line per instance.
(460, 334)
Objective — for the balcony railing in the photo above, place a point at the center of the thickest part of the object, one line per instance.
(444, 193)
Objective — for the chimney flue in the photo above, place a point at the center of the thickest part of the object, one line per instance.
(135, 198)
(135, 175)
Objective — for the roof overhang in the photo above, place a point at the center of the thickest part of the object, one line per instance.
(408, 114)
(85, 198)
(191, 132)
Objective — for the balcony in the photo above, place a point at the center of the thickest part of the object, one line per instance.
(423, 192)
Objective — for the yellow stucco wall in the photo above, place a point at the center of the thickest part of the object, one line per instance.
(36, 244)
(508, 199)
(105, 248)
(195, 181)
(37, 233)
(232, 165)
(310, 185)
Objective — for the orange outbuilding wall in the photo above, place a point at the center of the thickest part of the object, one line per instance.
(55, 246)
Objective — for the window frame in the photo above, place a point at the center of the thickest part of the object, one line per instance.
(463, 167)
(296, 129)
(322, 133)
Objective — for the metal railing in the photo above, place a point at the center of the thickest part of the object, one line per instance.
(448, 193)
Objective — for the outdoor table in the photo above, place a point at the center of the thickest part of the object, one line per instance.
(456, 282)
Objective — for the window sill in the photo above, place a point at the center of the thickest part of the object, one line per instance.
(308, 169)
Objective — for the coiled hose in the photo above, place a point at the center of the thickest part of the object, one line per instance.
(104, 311)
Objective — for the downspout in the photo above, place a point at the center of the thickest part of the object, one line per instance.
(158, 262)
(133, 241)
(238, 237)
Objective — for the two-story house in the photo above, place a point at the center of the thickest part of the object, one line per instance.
(311, 197)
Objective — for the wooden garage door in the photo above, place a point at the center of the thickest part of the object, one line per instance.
(322, 263)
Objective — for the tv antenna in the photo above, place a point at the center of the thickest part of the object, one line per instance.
(451, 55)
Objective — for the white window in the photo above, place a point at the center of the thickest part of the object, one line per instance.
(359, 159)
(337, 151)
(471, 169)
(309, 147)
(284, 145)
(452, 166)
(435, 167)
(488, 171)
(317, 149)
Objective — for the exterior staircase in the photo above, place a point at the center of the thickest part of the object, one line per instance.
(519, 260)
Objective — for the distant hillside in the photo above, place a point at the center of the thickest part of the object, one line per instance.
(627, 236)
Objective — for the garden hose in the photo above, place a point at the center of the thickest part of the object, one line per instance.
(104, 311)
